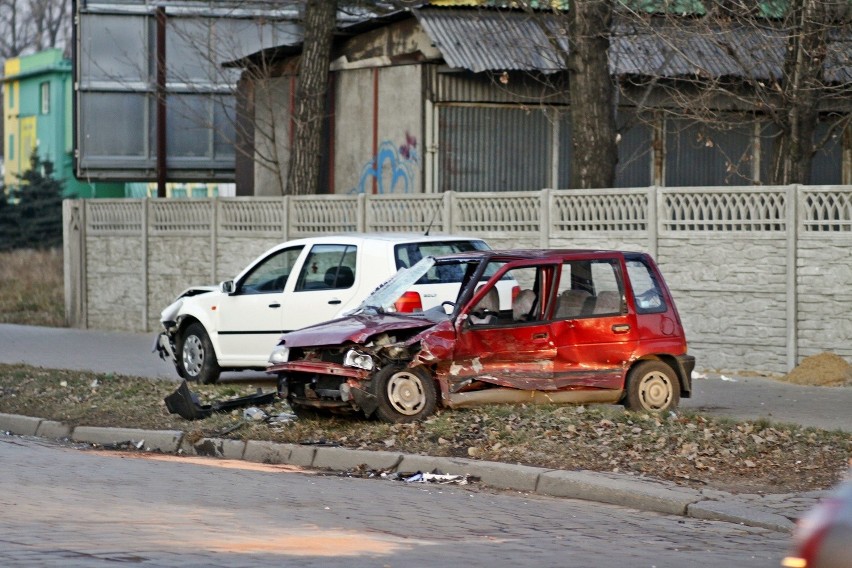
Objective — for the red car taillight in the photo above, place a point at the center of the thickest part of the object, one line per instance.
(409, 302)
(515, 291)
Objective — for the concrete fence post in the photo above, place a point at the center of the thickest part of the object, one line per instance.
(361, 213)
(74, 261)
(214, 239)
(449, 211)
(545, 198)
(792, 221)
(288, 217)
(655, 214)
(146, 231)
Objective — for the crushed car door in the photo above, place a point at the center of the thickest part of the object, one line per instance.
(594, 332)
(511, 348)
(250, 319)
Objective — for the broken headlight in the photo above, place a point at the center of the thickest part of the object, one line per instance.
(359, 360)
(279, 355)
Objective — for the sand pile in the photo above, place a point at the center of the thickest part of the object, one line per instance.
(825, 369)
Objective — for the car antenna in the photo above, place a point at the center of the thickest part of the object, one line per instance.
(431, 221)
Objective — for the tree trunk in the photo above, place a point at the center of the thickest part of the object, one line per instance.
(595, 154)
(308, 117)
(803, 63)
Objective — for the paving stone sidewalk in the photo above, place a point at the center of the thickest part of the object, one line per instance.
(776, 511)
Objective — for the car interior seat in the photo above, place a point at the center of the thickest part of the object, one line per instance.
(523, 305)
(571, 303)
(488, 307)
(607, 302)
(338, 277)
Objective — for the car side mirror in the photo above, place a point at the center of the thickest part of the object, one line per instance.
(227, 286)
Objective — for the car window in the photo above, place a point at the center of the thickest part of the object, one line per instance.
(328, 267)
(409, 254)
(646, 289)
(520, 287)
(271, 274)
(589, 288)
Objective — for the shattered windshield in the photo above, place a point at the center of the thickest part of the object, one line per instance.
(385, 295)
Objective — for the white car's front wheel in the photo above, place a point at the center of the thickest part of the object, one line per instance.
(196, 357)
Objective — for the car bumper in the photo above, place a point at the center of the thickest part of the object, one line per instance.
(164, 347)
(685, 365)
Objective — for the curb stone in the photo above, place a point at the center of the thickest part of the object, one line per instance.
(53, 429)
(628, 492)
(163, 440)
(735, 512)
(214, 447)
(623, 490)
(17, 424)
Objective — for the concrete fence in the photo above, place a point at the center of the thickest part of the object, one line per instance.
(762, 275)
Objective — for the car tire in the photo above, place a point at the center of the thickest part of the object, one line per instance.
(404, 394)
(196, 357)
(652, 386)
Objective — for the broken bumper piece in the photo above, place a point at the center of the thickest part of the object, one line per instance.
(186, 403)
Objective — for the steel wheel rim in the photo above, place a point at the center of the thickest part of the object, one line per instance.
(655, 391)
(406, 394)
(193, 355)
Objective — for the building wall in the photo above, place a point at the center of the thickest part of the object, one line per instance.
(11, 122)
(378, 130)
(29, 123)
(272, 105)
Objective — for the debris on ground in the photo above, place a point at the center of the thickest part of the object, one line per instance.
(825, 369)
(187, 404)
(443, 478)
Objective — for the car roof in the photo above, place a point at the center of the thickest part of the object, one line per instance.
(532, 254)
(385, 237)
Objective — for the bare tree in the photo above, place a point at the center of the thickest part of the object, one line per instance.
(304, 167)
(781, 67)
(592, 95)
(801, 90)
(29, 26)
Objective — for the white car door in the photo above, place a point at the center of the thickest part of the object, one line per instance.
(327, 280)
(250, 320)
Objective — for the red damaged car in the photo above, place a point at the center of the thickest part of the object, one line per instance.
(528, 326)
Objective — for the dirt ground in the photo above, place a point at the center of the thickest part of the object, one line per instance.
(825, 369)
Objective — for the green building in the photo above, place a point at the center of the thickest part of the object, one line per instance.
(37, 113)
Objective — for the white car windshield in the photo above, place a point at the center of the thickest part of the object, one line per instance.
(383, 297)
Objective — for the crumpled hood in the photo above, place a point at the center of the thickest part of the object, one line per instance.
(356, 329)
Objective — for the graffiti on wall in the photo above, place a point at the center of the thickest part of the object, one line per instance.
(393, 169)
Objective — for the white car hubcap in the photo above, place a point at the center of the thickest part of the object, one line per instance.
(193, 355)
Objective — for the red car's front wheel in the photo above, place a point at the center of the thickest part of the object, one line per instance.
(404, 394)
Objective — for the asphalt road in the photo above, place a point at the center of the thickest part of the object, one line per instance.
(131, 354)
(72, 508)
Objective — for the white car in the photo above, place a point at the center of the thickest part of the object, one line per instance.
(302, 282)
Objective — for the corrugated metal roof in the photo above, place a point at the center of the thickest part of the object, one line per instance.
(502, 40)
(490, 40)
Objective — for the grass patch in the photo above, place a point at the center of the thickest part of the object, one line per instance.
(688, 448)
(32, 288)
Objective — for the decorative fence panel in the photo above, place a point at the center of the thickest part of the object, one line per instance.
(762, 275)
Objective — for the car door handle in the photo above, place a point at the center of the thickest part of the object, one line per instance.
(334, 302)
(621, 328)
(539, 336)
(275, 305)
